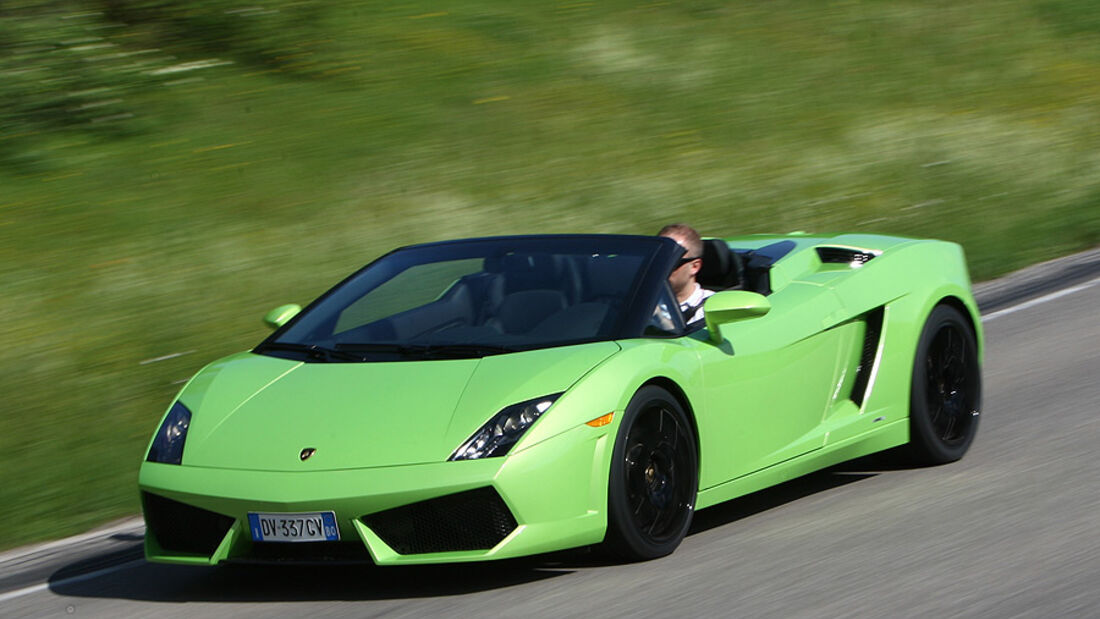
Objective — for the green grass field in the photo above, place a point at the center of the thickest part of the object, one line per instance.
(250, 185)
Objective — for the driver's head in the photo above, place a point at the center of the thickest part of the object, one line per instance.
(682, 278)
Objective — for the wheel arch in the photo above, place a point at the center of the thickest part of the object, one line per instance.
(973, 319)
(678, 392)
(929, 444)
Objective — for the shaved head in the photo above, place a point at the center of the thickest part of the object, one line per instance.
(686, 236)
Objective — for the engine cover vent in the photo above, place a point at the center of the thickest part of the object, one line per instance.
(845, 255)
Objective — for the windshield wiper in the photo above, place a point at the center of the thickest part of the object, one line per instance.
(431, 351)
(473, 350)
(399, 349)
(313, 351)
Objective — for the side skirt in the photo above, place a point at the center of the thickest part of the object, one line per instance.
(892, 435)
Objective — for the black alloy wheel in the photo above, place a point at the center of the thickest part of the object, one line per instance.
(947, 388)
(654, 478)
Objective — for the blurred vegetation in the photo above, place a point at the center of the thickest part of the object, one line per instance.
(171, 170)
(82, 65)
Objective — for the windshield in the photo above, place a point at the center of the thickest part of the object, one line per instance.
(473, 298)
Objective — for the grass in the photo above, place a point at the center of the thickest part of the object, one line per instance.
(976, 122)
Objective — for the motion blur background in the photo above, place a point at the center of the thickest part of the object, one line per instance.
(171, 169)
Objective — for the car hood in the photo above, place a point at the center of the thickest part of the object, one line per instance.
(256, 412)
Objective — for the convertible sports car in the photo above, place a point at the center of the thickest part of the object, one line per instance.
(489, 398)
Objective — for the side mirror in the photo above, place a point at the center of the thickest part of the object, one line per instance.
(280, 315)
(732, 305)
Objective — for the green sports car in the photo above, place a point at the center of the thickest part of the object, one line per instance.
(489, 398)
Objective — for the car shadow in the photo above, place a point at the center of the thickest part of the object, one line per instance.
(152, 582)
(776, 496)
(126, 576)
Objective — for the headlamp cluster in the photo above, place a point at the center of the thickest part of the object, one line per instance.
(502, 431)
(167, 445)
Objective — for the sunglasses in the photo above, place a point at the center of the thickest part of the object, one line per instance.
(682, 261)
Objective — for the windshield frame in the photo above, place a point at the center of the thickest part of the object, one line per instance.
(659, 255)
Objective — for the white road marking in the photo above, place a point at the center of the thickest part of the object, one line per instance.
(129, 524)
(1040, 300)
(18, 593)
(166, 357)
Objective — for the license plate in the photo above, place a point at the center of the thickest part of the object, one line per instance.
(306, 527)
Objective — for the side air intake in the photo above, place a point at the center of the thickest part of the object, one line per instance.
(871, 339)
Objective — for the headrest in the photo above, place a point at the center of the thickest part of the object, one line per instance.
(610, 276)
(722, 267)
(520, 263)
(521, 311)
(526, 271)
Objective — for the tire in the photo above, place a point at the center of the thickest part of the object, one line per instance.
(946, 394)
(653, 480)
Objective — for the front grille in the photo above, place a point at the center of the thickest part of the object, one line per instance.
(844, 255)
(306, 552)
(178, 527)
(472, 520)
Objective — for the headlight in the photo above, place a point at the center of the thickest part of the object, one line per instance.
(168, 443)
(498, 434)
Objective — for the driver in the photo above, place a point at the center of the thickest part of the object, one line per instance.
(689, 294)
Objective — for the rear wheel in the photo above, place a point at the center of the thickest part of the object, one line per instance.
(653, 479)
(947, 389)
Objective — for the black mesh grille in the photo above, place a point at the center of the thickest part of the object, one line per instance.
(472, 520)
(178, 527)
(867, 357)
(843, 255)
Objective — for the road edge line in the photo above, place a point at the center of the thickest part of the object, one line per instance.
(1040, 300)
(45, 586)
(130, 523)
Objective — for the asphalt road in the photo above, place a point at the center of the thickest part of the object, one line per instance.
(1013, 530)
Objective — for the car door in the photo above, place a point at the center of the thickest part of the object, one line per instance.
(769, 383)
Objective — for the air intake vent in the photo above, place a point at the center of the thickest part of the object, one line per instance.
(179, 527)
(472, 520)
(844, 255)
(871, 339)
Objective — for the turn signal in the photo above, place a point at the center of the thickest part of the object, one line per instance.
(601, 421)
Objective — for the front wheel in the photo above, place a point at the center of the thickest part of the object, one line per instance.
(653, 480)
(947, 389)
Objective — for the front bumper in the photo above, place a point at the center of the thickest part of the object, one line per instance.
(554, 493)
